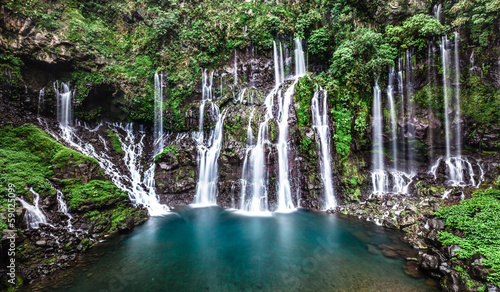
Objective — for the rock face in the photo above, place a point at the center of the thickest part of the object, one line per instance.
(26, 38)
(176, 173)
(243, 105)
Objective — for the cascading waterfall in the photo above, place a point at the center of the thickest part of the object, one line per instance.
(458, 167)
(254, 195)
(62, 206)
(277, 62)
(320, 119)
(34, 215)
(41, 100)
(253, 190)
(132, 185)
(402, 115)
(401, 179)
(285, 202)
(158, 118)
(379, 177)
(64, 98)
(437, 12)
(282, 64)
(143, 190)
(208, 148)
(300, 64)
(411, 119)
(445, 63)
(390, 98)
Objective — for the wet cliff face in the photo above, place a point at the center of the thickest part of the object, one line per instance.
(242, 102)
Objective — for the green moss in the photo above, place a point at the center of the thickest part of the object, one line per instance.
(478, 218)
(273, 131)
(342, 135)
(308, 147)
(303, 93)
(28, 157)
(102, 193)
(169, 149)
(115, 141)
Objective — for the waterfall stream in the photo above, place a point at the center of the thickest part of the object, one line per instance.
(64, 98)
(320, 118)
(285, 201)
(41, 101)
(158, 118)
(62, 206)
(379, 177)
(140, 191)
(34, 215)
(208, 147)
(459, 169)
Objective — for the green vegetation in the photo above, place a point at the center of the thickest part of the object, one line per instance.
(29, 158)
(102, 193)
(342, 135)
(303, 93)
(354, 41)
(308, 147)
(169, 149)
(115, 141)
(478, 219)
(415, 32)
(351, 178)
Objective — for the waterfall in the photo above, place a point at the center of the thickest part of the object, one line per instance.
(390, 98)
(254, 193)
(285, 202)
(459, 169)
(62, 206)
(300, 65)
(379, 178)
(278, 65)
(253, 189)
(281, 64)
(34, 215)
(410, 108)
(445, 63)
(158, 118)
(241, 95)
(320, 124)
(133, 151)
(437, 12)
(401, 180)
(41, 101)
(208, 148)
(64, 98)
(139, 191)
(249, 130)
(401, 89)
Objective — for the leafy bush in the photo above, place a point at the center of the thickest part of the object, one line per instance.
(342, 135)
(303, 93)
(479, 220)
(115, 141)
(415, 32)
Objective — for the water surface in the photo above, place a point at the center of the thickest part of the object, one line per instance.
(212, 249)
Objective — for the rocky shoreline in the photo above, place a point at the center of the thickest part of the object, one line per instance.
(415, 216)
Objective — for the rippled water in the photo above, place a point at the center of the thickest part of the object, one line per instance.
(212, 249)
